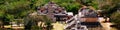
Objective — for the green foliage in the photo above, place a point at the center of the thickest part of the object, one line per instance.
(109, 8)
(95, 4)
(13, 9)
(48, 22)
(20, 8)
(41, 2)
(2, 14)
(70, 5)
(32, 20)
(115, 18)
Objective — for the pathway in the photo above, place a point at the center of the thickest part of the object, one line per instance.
(58, 26)
(106, 25)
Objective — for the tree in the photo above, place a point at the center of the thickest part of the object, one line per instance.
(32, 20)
(115, 19)
(70, 5)
(110, 8)
(13, 9)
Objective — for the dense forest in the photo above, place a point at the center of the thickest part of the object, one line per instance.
(19, 9)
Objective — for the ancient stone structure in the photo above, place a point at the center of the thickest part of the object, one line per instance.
(85, 15)
(88, 15)
(54, 11)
